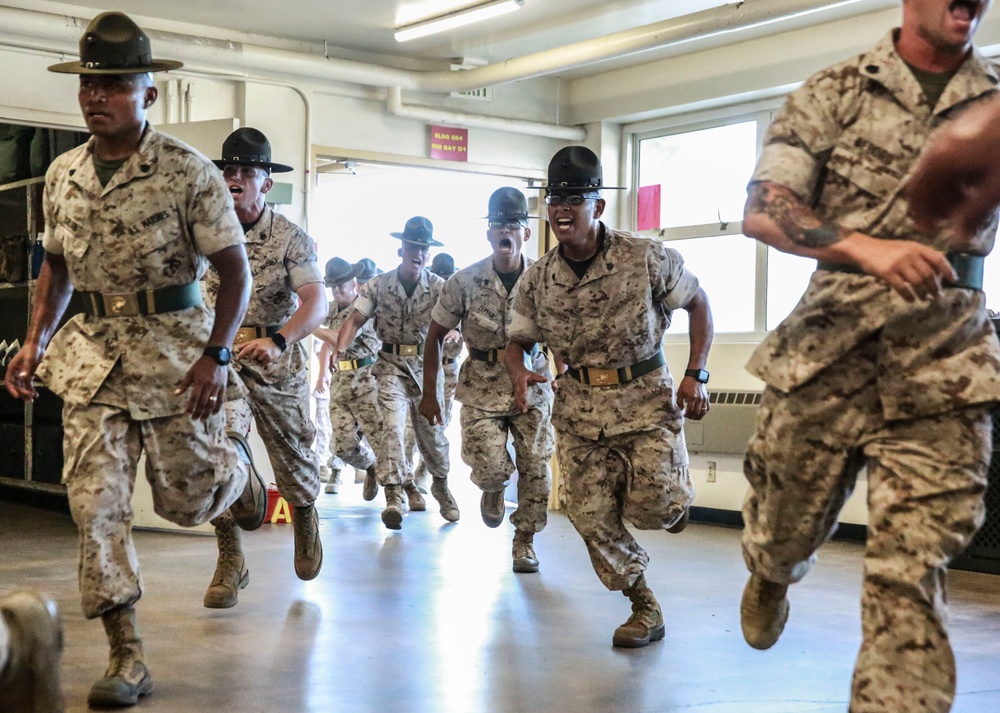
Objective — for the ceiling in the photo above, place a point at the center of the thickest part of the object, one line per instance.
(364, 28)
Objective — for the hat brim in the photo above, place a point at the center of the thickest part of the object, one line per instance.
(512, 217)
(77, 67)
(354, 273)
(576, 189)
(431, 244)
(272, 167)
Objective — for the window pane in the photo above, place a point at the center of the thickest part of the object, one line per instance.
(991, 280)
(701, 174)
(724, 266)
(787, 278)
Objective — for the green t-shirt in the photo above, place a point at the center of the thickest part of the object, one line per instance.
(106, 169)
(932, 83)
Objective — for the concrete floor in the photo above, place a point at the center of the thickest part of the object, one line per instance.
(432, 619)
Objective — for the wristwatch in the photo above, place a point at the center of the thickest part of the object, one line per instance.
(220, 355)
(279, 339)
(699, 375)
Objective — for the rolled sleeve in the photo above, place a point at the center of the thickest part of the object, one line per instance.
(683, 290)
(301, 261)
(790, 166)
(305, 274)
(365, 306)
(523, 329)
(211, 217)
(450, 307)
(445, 318)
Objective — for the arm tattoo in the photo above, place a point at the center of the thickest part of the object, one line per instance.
(795, 220)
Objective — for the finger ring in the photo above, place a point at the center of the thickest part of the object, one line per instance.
(212, 398)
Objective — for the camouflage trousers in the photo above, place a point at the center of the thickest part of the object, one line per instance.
(398, 398)
(281, 414)
(641, 476)
(484, 450)
(191, 466)
(354, 416)
(926, 481)
(322, 445)
(418, 471)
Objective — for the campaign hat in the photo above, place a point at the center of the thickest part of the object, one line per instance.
(418, 231)
(576, 169)
(508, 203)
(339, 271)
(368, 269)
(443, 265)
(114, 44)
(249, 147)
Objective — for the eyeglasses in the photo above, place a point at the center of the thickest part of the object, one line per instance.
(571, 199)
(511, 225)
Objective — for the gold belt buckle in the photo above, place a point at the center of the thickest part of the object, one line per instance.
(121, 304)
(602, 377)
(408, 349)
(346, 365)
(245, 334)
(497, 355)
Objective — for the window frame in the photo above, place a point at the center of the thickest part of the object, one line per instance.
(763, 113)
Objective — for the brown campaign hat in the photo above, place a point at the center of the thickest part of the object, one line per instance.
(114, 44)
(576, 169)
(419, 231)
(339, 271)
(249, 147)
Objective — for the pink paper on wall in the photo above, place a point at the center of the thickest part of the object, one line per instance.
(649, 207)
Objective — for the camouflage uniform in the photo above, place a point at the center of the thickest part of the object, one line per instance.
(152, 226)
(477, 299)
(856, 375)
(450, 353)
(403, 320)
(354, 411)
(621, 447)
(282, 260)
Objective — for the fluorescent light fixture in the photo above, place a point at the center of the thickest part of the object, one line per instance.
(460, 18)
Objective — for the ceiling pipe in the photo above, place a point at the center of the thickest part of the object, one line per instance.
(394, 101)
(201, 53)
(752, 18)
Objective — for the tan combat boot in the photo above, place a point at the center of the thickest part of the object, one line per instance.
(414, 499)
(763, 612)
(370, 489)
(308, 547)
(449, 508)
(231, 573)
(392, 516)
(127, 677)
(491, 507)
(30, 647)
(250, 508)
(333, 484)
(646, 622)
(523, 552)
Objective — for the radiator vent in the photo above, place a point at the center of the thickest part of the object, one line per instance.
(728, 425)
(736, 398)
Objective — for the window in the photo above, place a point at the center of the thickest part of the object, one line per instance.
(692, 191)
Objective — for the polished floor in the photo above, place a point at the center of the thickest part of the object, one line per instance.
(432, 619)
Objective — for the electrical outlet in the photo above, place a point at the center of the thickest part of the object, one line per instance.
(711, 471)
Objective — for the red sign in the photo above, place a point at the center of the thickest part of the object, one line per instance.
(449, 144)
(649, 207)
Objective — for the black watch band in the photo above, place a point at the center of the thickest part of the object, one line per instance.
(699, 375)
(280, 340)
(220, 355)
